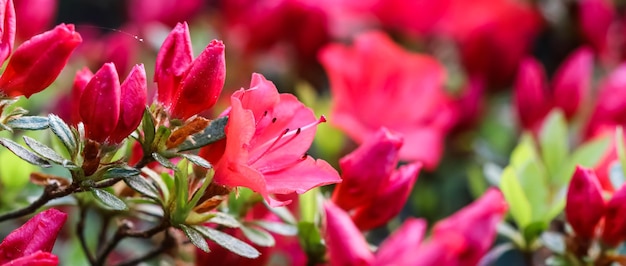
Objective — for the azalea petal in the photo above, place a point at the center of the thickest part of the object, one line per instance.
(37, 234)
(572, 81)
(305, 175)
(424, 145)
(402, 243)
(345, 243)
(38, 258)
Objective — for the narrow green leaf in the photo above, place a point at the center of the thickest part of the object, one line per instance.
(28, 123)
(163, 161)
(195, 237)
(278, 228)
(258, 236)
(553, 241)
(588, 154)
(63, 132)
(147, 125)
(514, 195)
(212, 133)
(122, 172)
(225, 220)
(228, 242)
(197, 160)
(533, 180)
(553, 140)
(109, 199)
(142, 186)
(48, 153)
(23, 153)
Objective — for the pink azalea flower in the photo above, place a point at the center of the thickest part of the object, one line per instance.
(610, 105)
(585, 204)
(372, 188)
(267, 137)
(34, 16)
(461, 239)
(32, 242)
(376, 83)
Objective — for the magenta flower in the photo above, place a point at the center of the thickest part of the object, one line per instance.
(144, 12)
(34, 16)
(570, 87)
(32, 242)
(188, 87)
(585, 205)
(610, 105)
(7, 28)
(267, 137)
(371, 188)
(111, 111)
(596, 18)
(37, 62)
(376, 83)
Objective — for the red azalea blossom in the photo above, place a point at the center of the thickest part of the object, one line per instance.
(31, 243)
(375, 72)
(267, 137)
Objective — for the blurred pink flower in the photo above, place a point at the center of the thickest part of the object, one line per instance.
(372, 189)
(570, 88)
(267, 137)
(585, 205)
(144, 12)
(482, 29)
(461, 239)
(610, 107)
(375, 83)
(7, 28)
(596, 19)
(34, 16)
(31, 243)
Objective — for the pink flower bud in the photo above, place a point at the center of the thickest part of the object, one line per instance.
(202, 83)
(133, 100)
(38, 234)
(7, 29)
(388, 200)
(531, 98)
(173, 59)
(37, 62)
(345, 243)
(100, 103)
(572, 81)
(584, 207)
(81, 79)
(366, 169)
(615, 219)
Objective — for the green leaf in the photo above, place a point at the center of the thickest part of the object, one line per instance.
(163, 161)
(147, 124)
(28, 123)
(225, 220)
(109, 199)
(23, 153)
(228, 242)
(278, 228)
(212, 133)
(141, 185)
(311, 241)
(195, 237)
(534, 183)
(534, 230)
(283, 213)
(514, 195)
(553, 140)
(122, 172)
(63, 132)
(197, 160)
(48, 153)
(588, 154)
(554, 242)
(258, 236)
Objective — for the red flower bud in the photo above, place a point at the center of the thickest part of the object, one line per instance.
(173, 59)
(615, 219)
(37, 62)
(573, 81)
(202, 83)
(7, 28)
(531, 98)
(132, 103)
(584, 207)
(100, 103)
(81, 79)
